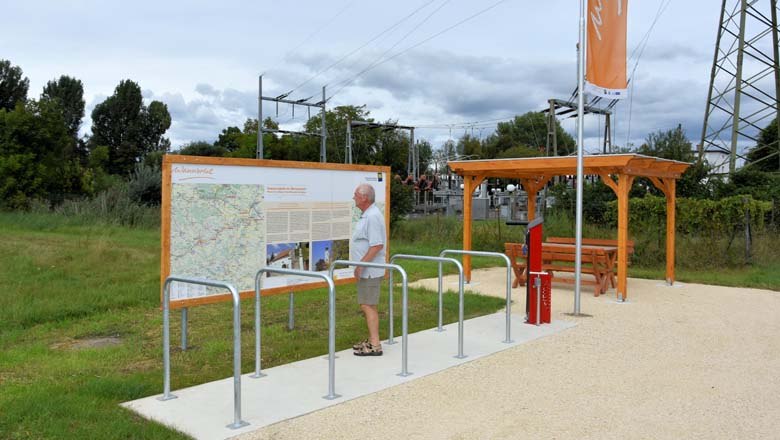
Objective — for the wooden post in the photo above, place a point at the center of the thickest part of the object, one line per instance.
(468, 189)
(668, 186)
(671, 191)
(624, 186)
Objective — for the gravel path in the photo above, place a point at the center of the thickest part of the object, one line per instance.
(684, 362)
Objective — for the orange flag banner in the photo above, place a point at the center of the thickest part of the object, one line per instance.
(605, 74)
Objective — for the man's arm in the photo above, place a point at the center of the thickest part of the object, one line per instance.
(369, 257)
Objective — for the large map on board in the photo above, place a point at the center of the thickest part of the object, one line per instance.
(218, 232)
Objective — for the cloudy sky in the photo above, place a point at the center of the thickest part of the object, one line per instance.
(203, 58)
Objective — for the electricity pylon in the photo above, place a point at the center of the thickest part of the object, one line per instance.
(745, 80)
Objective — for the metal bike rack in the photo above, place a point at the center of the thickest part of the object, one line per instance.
(331, 322)
(404, 305)
(237, 422)
(460, 293)
(508, 339)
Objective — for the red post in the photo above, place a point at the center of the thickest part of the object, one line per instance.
(534, 265)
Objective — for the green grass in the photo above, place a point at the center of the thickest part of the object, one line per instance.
(65, 281)
(699, 259)
(764, 276)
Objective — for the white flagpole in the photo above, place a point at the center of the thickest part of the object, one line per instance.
(580, 112)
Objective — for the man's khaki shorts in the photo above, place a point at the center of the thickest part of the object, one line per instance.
(368, 290)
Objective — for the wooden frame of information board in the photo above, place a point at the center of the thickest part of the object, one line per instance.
(203, 170)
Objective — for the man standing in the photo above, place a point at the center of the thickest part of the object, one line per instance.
(368, 244)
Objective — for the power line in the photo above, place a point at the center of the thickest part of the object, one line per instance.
(641, 47)
(462, 124)
(315, 32)
(309, 37)
(337, 62)
(378, 59)
(348, 82)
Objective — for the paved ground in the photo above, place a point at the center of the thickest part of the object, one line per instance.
(683, 362)
(298, 388)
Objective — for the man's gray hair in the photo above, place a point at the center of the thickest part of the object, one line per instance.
(367, 191)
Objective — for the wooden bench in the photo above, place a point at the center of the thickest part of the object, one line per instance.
(559, 257)
(612, 266)
(594, 242)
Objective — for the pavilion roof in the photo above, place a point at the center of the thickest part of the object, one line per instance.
(535, 167)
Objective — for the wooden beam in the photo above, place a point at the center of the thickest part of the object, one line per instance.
(532, 187)
(607, 179)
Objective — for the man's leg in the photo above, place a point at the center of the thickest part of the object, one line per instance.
(372, 322)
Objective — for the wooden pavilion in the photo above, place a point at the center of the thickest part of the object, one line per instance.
(617, 171)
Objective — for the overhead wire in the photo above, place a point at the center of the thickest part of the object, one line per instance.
(378, 59)
(354, 51)
(641, 48)
(315, 32)
(418, 44)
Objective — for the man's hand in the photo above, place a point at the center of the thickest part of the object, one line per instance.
(358, 270)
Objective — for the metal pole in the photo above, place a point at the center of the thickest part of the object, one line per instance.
(166, 344)
(184, 329)
(260, 117)
(441, 300)
(331, 340)
(258, 334)
(323, 152)
(712, 82)
(776, 53)
(348, 153)
(291, 313)
(580, 118)
(460, 316)
(390, 323)
(738, 88)
(508, 339)
(538, 285)
(413, 149)
(404, 328)
(237, 422)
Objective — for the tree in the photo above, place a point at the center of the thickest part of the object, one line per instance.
(529, 131)
(13, 88)
(765, 156)
(128, 128)
(202, 148)
(469, 146)
(36, 156)
(68, 94)
(669, 144)
(673, 144)
(230, 139)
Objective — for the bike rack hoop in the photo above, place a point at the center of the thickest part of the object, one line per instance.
(237, 422)
(331, 321)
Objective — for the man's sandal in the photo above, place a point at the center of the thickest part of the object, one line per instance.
(369, 350)
(360, 345)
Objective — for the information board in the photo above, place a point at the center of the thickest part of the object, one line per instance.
(225, 219)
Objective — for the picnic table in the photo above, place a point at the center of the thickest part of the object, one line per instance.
(597, 260)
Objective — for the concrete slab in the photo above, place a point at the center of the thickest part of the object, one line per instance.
(291, 390)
